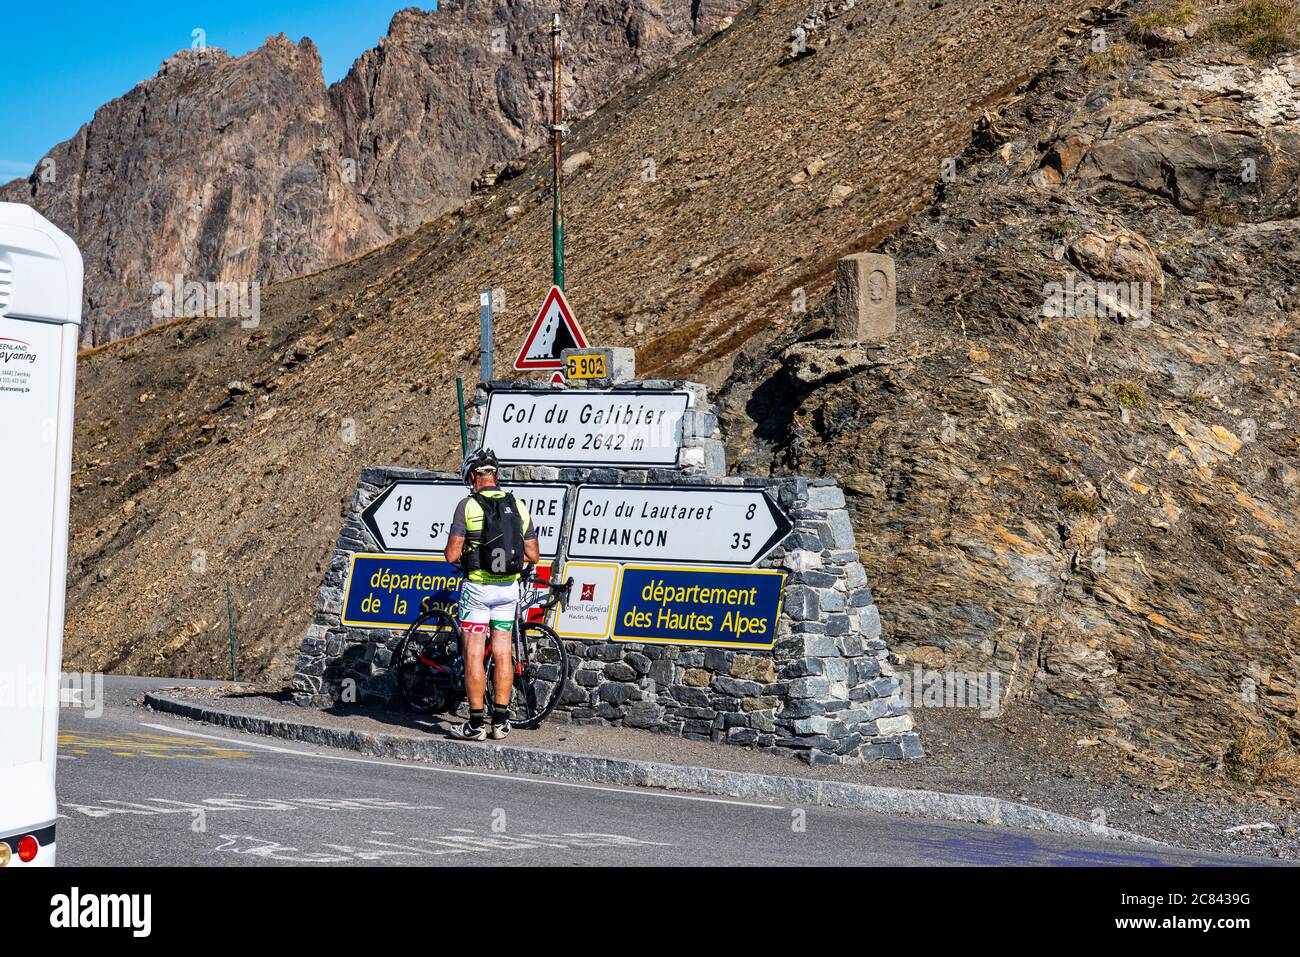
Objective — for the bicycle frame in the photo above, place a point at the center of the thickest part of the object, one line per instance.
(544, 598)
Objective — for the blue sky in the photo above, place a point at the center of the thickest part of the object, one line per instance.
(64, 58)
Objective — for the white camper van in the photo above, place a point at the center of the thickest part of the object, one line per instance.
(40, 321)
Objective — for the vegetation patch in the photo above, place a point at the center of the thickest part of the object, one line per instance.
(1080, 503)
(1261, 28)
(1175, 16)
(1112, 61)
(734, 278)
(1259, 756)
(1062, 227)
(1218, 218)
(670, 346)
(1130, 394)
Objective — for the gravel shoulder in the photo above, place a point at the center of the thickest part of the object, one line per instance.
(1018, 756)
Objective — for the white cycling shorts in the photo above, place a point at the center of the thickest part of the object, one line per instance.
(483, 602)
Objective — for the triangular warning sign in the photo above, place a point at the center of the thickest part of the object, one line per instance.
(553, 331)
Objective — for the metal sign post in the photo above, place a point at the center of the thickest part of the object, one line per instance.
(460, 407)
(486, 305)
(557, 131)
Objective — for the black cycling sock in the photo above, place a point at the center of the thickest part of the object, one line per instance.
(476, 717)
(500, 713)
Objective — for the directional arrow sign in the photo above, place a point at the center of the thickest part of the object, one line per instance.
(412, 517)
(699, 525)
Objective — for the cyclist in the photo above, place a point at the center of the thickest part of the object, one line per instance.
(492, 537)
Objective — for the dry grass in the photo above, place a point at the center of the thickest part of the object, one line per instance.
(672, 345)
(734, 278)
(1112, 61)
(1218, 218)
(1260, 756)
(1261, 28)
(1178, 14)
(1080, 503)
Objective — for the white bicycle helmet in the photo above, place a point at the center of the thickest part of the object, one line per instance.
(476, 460)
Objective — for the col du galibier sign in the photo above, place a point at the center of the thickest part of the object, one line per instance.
(623, 428)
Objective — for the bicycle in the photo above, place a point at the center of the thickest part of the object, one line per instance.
(430, 665)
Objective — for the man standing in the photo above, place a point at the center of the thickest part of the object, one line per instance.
(492, 537)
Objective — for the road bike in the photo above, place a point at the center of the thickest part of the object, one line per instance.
(430, 660)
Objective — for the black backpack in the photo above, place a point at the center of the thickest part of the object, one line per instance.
(501, 549)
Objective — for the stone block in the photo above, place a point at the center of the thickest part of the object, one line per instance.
(863, 299)
(754, 668)
(869, 619)
(896, 725)
(807, 645)
(643, 714)
(825, 497)
(814, 686)
(801, 603)
(699, 424)
(620, 671)
(736, 688)
(841, 529)
(800, 560)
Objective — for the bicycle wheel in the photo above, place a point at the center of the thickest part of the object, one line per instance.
(539, 676)
(425, 663)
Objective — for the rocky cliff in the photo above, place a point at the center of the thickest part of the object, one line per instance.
(247, 169)
(216, 169)
(1076, 464)
(450, 92)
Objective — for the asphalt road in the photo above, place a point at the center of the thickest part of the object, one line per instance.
(141, 788)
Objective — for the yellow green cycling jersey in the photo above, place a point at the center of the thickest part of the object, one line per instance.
(467, 521)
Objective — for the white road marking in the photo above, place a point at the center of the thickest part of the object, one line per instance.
(642, 792)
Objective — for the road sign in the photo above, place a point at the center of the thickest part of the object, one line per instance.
(388, 591)
(590, 365)
(412, 516)
(713, 525)
(625, 427)
(734, 608)
(589, 609)
(554, 330)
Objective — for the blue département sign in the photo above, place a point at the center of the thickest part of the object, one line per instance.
(386, 591)
(698, 606)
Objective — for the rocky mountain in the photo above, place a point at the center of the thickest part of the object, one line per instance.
(1077, 463)
(451, 92)
(248, 170)
(1097, 502)
(216, 169)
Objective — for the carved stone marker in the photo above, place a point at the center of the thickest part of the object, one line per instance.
(862, 300)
